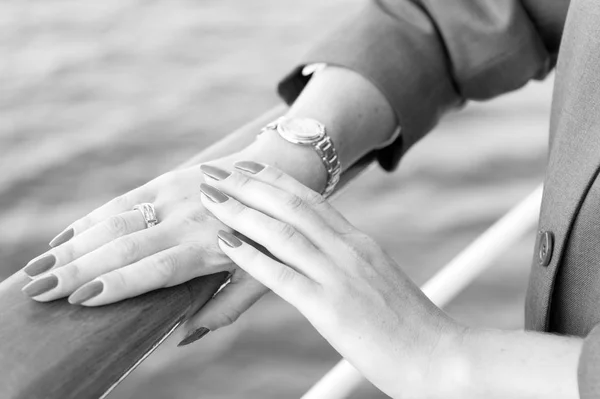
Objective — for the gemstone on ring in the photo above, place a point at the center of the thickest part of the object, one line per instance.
(148, 212)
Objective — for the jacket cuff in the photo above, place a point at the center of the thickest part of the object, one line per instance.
(589, 366)
(385, 49)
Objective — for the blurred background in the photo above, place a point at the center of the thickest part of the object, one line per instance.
(98, 97)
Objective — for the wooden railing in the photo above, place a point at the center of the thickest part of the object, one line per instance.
(61, 351)
(57, 350)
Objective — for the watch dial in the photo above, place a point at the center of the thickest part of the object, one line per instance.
(302, 129)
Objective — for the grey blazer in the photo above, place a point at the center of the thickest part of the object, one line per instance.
(431, 56)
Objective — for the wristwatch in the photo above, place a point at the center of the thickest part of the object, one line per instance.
(309, 132)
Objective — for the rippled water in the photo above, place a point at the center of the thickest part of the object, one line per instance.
(98, 97)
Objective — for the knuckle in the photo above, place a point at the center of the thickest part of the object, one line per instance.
(229, 317)
(117, 225)
(285, 275)
(277, 175)
(237, 208)
(128, 248)
(166, 267)
(199, 254)
(364, 240)
(70, 272)
(294, 203)
(240, 180)
(286, 231)
(314, 198)
(66, 253)
(359, 254)
(198, 215)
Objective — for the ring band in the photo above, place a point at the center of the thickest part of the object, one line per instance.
(148, 212)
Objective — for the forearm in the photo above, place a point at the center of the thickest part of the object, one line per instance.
(510, 365)
(357, 117)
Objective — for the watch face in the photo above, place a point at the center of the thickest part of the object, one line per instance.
(301, 130)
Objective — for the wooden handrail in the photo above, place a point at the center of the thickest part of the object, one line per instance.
(57, 350)
(60, 351)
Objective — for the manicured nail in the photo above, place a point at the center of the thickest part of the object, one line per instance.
(213, 194)
(40, 265)
(249, 166)
(62, 237)
(214, 172)
(86, 292)
(229, 239)
(40, 286)
(194, 336)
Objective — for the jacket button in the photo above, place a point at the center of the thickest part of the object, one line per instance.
(546, 240)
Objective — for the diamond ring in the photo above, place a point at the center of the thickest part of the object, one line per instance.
(148, 212)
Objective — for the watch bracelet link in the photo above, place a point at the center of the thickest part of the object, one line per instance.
(326, 151)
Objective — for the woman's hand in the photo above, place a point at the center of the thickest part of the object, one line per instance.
(110, 254)
(354, 294)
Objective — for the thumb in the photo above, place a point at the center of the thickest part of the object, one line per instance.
(225, 308)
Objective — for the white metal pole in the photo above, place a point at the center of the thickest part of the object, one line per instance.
(343, 379)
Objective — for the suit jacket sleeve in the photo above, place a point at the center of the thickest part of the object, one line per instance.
(430, 56)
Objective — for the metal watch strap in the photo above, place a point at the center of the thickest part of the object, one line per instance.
(330, 159)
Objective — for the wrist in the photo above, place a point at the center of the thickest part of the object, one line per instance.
(451, 364)
(356, 114)
(299, 161)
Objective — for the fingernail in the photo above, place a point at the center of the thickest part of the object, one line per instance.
(214, 172)
(62, 237)
(249, 166)
(194, 336)
(86, 292)
(213, 194)
(40, 286)
(40, 265)
(229, 239)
